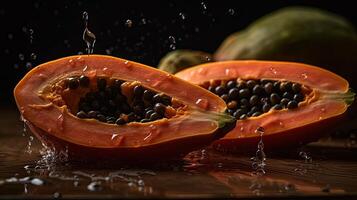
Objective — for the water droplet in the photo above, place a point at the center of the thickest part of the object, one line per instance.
(11, 180)
(24, 29)
(57, 195)
(202, 103)
(29, 145)
(260, 130)
(85, 68)
(24, 179)
(141, 182)
(231, 11)
(304, 75)
(273, 70)
(28, 65)
(259, 160)
(305, 156)
(128, 23)
(33, 56)
(131, 184)
(88, 36)
(281, 123)
(114, 136)
(76, 183)
(143, 21)
(21, 56)
(172, 39)
(182, 15)
(204, 6)
(85, 16)
(37, 181)
(172, 46)
(94, 186)
(108, 51)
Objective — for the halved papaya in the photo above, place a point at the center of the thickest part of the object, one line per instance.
(105, 107)
(287, 103)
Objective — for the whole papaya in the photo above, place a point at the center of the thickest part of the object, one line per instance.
(181, 59)
(299, 34)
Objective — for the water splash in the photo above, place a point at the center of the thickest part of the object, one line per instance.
(29, 145)
(33, 56)
(172, 40)
(88, 37)
(31, 35)
(128, 23)
(182, 15)
(259, 160)
(21, 57)
(95, 186)
(305, 156)
(204, 5)
(231, 11)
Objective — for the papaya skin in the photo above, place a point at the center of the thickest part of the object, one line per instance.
(324, 107)
(53, 123)
(298, 34)
(181, 59)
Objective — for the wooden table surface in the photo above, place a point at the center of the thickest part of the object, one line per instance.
(323, 170)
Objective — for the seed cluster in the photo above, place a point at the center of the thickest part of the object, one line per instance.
(108, 104)
(251, 98)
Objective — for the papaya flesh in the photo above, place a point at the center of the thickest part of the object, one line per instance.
(314, 101)
(298, 34)
(57, 101)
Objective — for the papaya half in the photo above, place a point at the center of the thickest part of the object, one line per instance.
(102, 107)
(285, 103)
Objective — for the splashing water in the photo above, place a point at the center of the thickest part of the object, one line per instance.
(231, 11)
(21, 56)
(172, 40)
(128, 23)
(305, 156)
(182, 15)
(29, 145)
(260, 157)
(204, 6)
(88, 36)
(31, 35)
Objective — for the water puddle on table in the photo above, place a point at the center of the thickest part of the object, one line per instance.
(28, 169)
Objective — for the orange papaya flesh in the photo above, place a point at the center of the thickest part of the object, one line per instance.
(50, 98)
(326, 97)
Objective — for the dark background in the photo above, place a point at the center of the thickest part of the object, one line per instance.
(33, 32)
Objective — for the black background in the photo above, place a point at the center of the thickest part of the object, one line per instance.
(57, 28)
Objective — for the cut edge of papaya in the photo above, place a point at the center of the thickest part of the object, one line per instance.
(327, 102)
(254, 69)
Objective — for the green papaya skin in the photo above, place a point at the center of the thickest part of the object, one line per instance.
(181, 59)
(299, 34)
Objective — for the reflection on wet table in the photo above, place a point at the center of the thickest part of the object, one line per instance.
(323, 169)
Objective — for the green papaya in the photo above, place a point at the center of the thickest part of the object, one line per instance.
(299, 34)
(180, 59)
